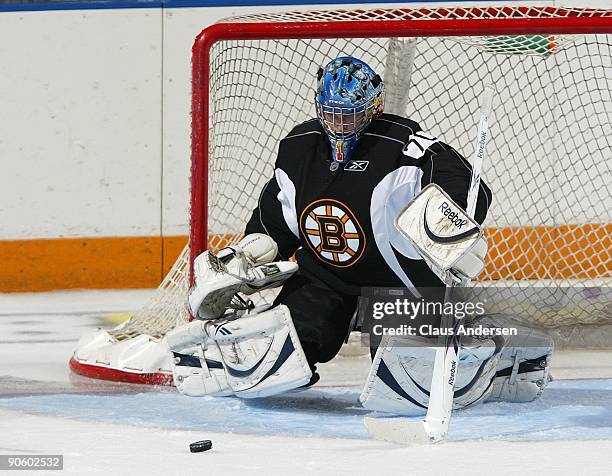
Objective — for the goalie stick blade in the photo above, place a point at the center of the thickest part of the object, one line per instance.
(400, 431)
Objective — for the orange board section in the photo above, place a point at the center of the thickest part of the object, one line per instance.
(92, 263)
(544, 252)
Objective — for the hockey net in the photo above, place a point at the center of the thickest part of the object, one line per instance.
(549, 157)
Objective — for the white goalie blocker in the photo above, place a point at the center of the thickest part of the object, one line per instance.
(454, 247)
(255, 350)
(452, 244)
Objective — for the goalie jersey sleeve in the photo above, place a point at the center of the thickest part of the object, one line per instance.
(269, 218)
(445, 167)
(338, 219)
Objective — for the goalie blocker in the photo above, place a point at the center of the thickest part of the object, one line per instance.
(450, 241)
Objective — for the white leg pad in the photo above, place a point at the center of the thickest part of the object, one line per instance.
(400, 377)
(200, 373)
(261, 353)
(197, 370)
(523, 368)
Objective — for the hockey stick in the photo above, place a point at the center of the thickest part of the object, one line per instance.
(435, 426)
(440, 406)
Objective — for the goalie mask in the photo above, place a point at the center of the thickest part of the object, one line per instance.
(349, 95)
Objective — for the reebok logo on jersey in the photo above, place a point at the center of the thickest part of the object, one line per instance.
(455, 217)
(332, 232)
(357, 165)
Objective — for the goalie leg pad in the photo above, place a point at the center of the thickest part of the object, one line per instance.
(196, 375)
(400, 378)
(182, 337)
(261, 353)
(523, 369)
(197, 370)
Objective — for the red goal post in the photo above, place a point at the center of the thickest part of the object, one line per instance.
(252, 80)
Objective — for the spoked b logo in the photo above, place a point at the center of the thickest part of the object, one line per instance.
(332, 232)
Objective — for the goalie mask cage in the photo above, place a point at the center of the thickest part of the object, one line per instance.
(548, 163)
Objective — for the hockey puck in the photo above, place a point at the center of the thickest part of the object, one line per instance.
(199, 446)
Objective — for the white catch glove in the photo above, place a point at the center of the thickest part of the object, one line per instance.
(258, 248)
(244, 268)
(451, 243)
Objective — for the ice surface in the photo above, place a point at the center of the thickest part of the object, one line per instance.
(111, 428)
(569, 410)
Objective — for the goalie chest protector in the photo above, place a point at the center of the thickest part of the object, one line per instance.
(339, 217)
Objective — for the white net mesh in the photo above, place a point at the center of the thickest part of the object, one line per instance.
(549, 157)
(166, 310)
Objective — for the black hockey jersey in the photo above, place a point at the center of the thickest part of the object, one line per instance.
(338, 218)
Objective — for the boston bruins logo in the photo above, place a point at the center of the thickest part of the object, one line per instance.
(333, 233)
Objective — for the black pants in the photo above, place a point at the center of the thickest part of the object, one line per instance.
(321, 316)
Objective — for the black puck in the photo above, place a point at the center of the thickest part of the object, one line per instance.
(199, 446)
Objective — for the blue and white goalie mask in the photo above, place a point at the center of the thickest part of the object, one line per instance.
(349, 95)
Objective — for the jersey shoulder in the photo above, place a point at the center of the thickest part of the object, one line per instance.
(309, 127)
(301, 146)
(393, 127)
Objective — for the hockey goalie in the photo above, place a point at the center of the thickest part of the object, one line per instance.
(340, 181)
